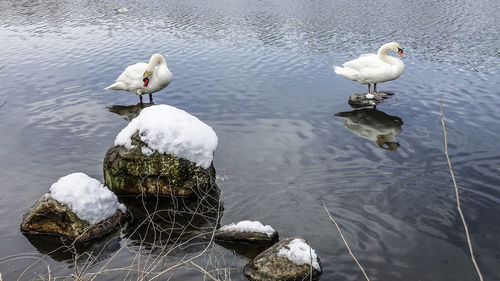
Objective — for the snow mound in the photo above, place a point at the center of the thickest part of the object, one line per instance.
(170, 130)
(298, 252)
(249, 226)
(88, 198)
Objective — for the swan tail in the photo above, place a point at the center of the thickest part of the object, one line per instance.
(115, 86)
(338, 69)
(346, 72)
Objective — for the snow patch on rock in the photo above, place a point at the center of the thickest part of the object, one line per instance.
(88, 198)
(249, 226)
(170, 130)
(298, 252)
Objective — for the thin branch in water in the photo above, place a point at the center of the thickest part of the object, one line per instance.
(3, 104)
(204, 271)
(345, 242)
(457, 195)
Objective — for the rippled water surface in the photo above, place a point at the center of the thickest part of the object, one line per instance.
(260, 73)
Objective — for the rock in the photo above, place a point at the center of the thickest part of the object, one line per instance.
(248, 244)
(360, 100)
(270, 265)
(129, 171)
(245, 237)
(51, 217)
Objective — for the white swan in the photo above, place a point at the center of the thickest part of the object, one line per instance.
(374, 68)
(143, 78)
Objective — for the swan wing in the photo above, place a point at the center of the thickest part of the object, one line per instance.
(365, 61)
(133, 73)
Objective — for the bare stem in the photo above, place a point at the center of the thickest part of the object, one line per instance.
(458, 196)
(345, 242)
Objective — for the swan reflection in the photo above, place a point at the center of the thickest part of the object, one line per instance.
(129, 112)
(375, 125)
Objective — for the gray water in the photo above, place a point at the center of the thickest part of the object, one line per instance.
(260, 73)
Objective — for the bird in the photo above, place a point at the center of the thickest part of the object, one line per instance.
(374, 68)
(144, 78)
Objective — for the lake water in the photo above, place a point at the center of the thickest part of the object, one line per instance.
(260, 73)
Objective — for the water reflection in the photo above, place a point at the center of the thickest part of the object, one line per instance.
(375, 125)
(158, 221)
(61, 249)
(129, 112)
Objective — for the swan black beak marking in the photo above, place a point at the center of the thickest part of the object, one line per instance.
(400, 52)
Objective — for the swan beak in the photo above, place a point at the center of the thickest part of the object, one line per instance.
(400, 52)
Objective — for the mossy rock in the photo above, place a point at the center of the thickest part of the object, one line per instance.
(129, 171)
(268, 265)
(48, 216)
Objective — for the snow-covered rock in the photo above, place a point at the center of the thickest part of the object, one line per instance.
(299, 252)
(169, 130)
(78, 207)
(163, 151)
(88, 198)
(247, 232)
(287, 260)
(249, 226)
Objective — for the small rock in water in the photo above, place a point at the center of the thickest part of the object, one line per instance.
(252, 232)
(78, 207)
(287, 260)
(361, 100)
(51, 217)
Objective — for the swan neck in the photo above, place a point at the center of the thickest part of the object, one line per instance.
(382, 54)
(156, 60)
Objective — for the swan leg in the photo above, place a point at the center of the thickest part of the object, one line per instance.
(380, 94)
(369, 88)
(140, 97)
(150, 98)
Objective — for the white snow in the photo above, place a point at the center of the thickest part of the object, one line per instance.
(88, 198)
(249, 226)
(169, 130)
(298, 252)
(370, 96)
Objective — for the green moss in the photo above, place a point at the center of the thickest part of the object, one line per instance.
(128, 171)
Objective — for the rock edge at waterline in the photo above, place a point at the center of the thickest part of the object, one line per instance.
(48, 216)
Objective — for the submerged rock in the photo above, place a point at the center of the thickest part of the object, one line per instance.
(51, 217)
(287, 260)
(130, 171)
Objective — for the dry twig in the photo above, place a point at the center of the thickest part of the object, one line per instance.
(457, 195)
(345, 242)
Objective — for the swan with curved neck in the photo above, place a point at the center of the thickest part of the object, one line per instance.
(144, 78)
(374, 68)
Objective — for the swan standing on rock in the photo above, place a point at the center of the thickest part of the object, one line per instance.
(143, 78)
(374, 68)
